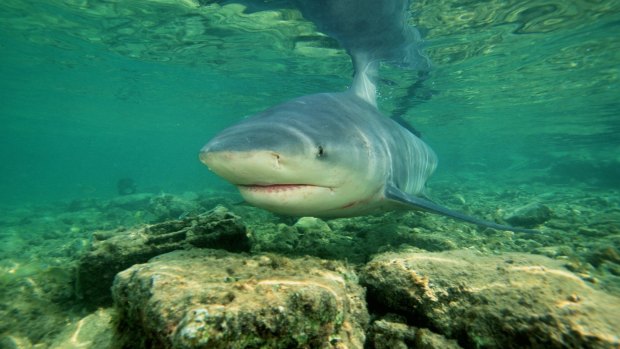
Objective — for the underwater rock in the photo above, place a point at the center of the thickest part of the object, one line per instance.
(14, 342)
(529, 216)
(308, 236)
(309, 225)
(387, 334)
(94, 331)
(112, 252)
(604, 254)
(34, 300)
(126, 186)
(151, 207)
(83, 204)
(215, 299)
(279, 238)
(132, 202)
(165, 206)
(426, 339)
(511, 301)
(432, 242)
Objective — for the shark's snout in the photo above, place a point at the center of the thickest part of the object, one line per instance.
(209, 156)
(204, 156)
(256, 152)
(245, 167)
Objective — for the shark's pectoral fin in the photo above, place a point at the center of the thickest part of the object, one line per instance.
(395, 194)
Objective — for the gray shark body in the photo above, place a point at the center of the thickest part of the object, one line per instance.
(335, 154)
(333, 141)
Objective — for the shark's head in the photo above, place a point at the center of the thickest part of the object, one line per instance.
(297, 160)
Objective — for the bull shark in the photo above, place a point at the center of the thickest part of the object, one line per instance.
(333, 155)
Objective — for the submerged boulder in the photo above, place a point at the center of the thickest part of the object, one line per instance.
(114, 251)
(388, 334)
(216, 299)
(530, 215)
(93, 331)
(508, 301)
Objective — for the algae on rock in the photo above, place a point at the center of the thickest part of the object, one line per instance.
(514, 300)
(216, 299)
(112, 252)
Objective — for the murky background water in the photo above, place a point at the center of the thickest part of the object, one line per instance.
(94, 91)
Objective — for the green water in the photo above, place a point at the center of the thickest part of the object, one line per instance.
(521, 105)
(94, 91)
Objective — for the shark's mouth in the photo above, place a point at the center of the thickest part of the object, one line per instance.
(291, 199)
(277, 188)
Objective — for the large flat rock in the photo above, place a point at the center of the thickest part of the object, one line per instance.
(216, 299)
(508, 301)
(114, 251)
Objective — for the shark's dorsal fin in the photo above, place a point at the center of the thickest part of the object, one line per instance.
(364, 83)
(395, 194)
(371, 31)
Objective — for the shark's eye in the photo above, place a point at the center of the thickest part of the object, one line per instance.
(320, 151)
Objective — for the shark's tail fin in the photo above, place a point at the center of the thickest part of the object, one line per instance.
(371, 31)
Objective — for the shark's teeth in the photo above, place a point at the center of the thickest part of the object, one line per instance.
(275, 187)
